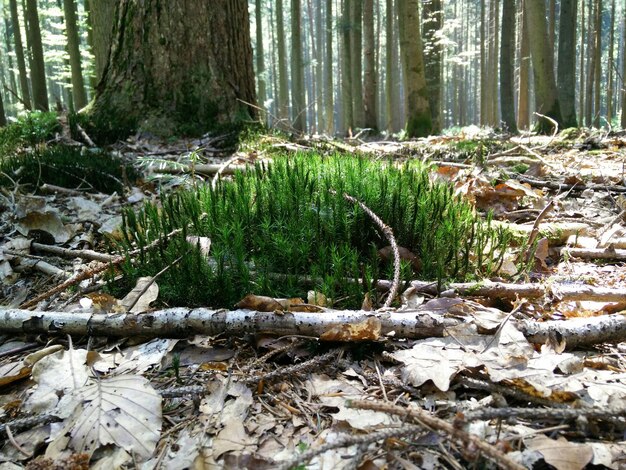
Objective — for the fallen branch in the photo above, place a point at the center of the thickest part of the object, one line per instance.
(594, 253)
(184, 322)
(202, 169)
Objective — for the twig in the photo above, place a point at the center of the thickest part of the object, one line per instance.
(90, 273)
(555, 126)
(535, 230)
(12, 440)
(455, 432)
(393, 291)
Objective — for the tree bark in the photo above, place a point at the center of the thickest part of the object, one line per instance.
(298, 99)
(73, 47)
(328, 71)
(523, 99)
(346, 67)
(176, 67)
(260, 57)
(543, 66)
(433, 58)
(19, 55)
(507, 58)
(623, 93)
(283, 79)
(609, 91)
(38, 68)
(567, 62)
(369, 89)
(419, 120)
(597, 71)
(102, 19)
(356, 56)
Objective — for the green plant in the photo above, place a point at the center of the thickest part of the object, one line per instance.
(283, 228)
(67, 167)
(29, 130)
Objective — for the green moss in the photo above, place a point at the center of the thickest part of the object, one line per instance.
(67, 167)
(29, 130)
(419, 125)
(278, 224)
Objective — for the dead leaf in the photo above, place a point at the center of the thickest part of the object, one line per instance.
(260, 303)
(561, 454)
(139, 298)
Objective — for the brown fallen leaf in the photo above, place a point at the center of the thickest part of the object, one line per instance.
(386, 255)
(260, 303)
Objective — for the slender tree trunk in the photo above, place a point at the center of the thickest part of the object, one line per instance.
(523, 98)
(38, 68)
(369, 89)
(551, 21)
(389, 47)
(274, 79)
(419, 120)
(7, 38)
(346, 67)
(566, 68)
(316, 10)
(591, 63)
(356, 43)
(103, 15)
(19, 55)
(507, 62)
(598, 65)
(73, 45)
(328, 71)
(196, 77)
(283, 79)
(543, 66)
(433, 58)
(581, 72)
(260, 58)
(90, 40)
(623, 93)
(609, 91)
(297, 69)
(483, 66)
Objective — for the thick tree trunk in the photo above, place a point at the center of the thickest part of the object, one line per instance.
(507, 57)
(73, 43)
(567, 62)
(176, 66)
(419, 120)
(297, 69)
(38, 68)
(19, 55)
(369, 89)
(543, 66)
(433, 58)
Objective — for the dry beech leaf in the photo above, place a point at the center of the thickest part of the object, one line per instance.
(561, 454)
(367, 330)
(139, 298)
(260, 303)
(124, 411)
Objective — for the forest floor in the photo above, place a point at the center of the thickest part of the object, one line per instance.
(523, 370)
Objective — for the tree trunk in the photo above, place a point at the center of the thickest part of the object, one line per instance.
(176, 67)
(319, 69)
(419, 120)
(356, 56)
(328, 71)
(346, 67)
(567, 62)
(73, 46)
(19, 55)
(260, 58)
(103, 16)
(390, 87)
(369, 89)
(38, 68)
(433, 58)
(609, 91)
(623, 93)
(543, 66)
(283, 79)
(298, 99)
(581, 71)
(507, 58)
(483, 67)
(523, 99)
(597, 71)
(90, 38)
(591, 64)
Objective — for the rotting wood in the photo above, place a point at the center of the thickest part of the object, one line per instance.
(183, 322)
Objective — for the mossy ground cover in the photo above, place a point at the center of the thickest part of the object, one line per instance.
(283, 228)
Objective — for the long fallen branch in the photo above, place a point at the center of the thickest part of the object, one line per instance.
(183, 322)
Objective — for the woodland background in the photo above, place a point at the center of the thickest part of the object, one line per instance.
(329, 66)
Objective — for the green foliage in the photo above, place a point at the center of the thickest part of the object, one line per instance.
(280, 230)
(29, 130)
(67, 167)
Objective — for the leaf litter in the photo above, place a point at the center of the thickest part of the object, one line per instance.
(489, 393)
